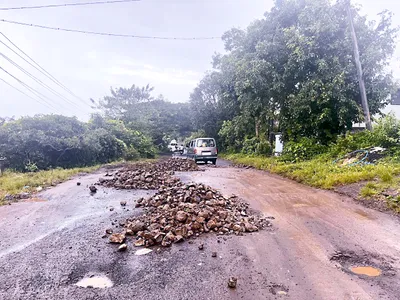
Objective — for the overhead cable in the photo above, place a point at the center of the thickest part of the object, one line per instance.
(22, 92)
(37, 79)
(112, 34)
(68, 4)
(32, 90)
(36, 65)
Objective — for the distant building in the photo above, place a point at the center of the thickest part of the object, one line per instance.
(358, 127)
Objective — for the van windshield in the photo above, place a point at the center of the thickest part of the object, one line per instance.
(205, 143)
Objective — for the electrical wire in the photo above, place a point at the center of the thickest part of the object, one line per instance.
(112, 34)
(40, 68)
(68, 4)
(22, 92)
(37, 80)
(45, 103)
(31, 89)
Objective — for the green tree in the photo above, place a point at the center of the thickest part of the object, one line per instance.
(294, 71)
(154, 117)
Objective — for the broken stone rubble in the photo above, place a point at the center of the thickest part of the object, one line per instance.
(177, 213)
(148, 175)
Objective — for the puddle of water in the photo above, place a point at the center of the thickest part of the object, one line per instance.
(143, 251)
(99, 282)
(369, 271)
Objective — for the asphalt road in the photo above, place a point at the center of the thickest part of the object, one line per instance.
(47, 246)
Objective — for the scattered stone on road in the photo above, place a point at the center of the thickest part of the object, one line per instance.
(78, 183)
(232, 282)
(214, 254)
(93, 189)
(143, 251)
(201, 246)
(111, 208)
(109, 231)
(123, 247)
(117, 238)
(123, 203)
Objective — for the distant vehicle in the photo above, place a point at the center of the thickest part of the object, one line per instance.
(175, 147)
(172, 146)
(180, 148)
(203, 149)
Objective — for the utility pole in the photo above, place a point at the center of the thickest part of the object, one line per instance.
(363, 93)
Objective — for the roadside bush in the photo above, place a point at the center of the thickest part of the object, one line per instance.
(49, 141)
(351, 142)
(131, 154)
(386, 132)
(256, 146)
(304, 149)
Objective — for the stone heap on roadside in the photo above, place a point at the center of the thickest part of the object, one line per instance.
(148, 175)
(182, 211)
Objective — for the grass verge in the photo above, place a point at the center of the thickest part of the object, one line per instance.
(322, 173)
(14, 182)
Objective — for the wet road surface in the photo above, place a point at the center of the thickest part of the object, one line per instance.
(46, 247)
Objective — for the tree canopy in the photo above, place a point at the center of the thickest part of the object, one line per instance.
(153, 116)
(293, 71)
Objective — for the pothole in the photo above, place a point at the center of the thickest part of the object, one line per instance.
(368, 271)
(364, 264)
(95, 281)
(278, 289)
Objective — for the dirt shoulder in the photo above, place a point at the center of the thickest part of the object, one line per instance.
(375, 186)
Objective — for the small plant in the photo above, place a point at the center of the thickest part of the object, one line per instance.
(369, 190)
(386, 176)
(31, 167)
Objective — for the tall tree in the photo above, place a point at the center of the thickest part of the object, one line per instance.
(294, 71)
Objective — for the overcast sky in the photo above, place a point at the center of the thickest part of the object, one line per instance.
(89, 65)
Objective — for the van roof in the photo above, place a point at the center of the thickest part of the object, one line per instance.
(204, 138)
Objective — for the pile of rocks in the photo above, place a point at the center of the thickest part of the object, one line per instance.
(182, 211)
(148, 175)
(177, 165)
(139, 179)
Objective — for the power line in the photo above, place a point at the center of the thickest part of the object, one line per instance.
(38, 94)
(112, 34)
(40, 68)
(49, 105)
(22, 92)
(37, 79)
(68, 4)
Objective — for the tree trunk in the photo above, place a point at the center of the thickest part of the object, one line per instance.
(258, 123)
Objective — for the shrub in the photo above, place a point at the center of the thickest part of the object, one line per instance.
(304, 149)
(351, 142)
(256, 146)
(131, 154)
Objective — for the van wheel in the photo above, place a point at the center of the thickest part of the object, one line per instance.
(214, 161)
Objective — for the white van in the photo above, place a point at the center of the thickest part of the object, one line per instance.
(173, 146)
